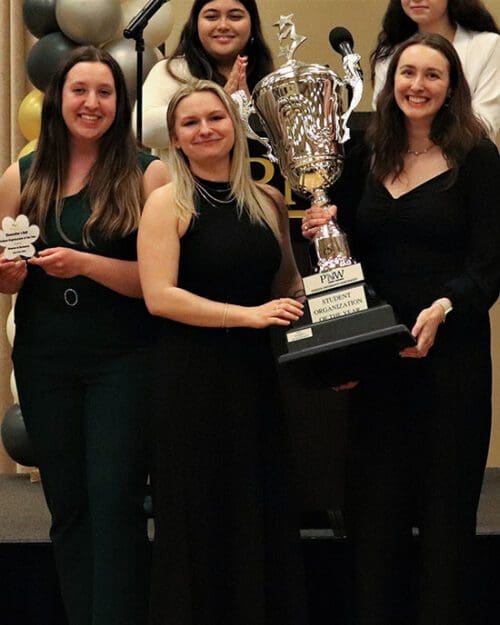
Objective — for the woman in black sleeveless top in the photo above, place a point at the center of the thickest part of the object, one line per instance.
(214, 254)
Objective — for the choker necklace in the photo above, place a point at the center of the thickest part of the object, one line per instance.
(213, 200)
(419, 152)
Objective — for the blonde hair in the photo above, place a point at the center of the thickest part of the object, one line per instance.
(249, 197)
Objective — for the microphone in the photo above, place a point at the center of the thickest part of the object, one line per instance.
(138, 23)
(341, 40)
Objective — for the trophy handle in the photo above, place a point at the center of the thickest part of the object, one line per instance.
(246, 108)
(354, 79)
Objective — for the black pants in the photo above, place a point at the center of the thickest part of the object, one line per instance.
(86, 414)
(418, 443)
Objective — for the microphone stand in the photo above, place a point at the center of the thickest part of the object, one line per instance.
(135, 30)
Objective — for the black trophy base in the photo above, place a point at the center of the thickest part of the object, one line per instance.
(339, 350)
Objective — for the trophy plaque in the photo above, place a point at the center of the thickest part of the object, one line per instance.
(301, 109)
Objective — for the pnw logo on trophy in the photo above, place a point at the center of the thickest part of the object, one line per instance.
(301, 109)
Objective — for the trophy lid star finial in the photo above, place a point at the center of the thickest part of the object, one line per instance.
(287, 31)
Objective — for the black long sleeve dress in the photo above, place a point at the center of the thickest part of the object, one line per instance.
(420, 430)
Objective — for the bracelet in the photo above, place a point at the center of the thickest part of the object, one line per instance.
(446, 306)
(224, 315)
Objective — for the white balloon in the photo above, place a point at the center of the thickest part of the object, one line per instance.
(123, 51)
(13, 388)
(89, 21)
(11, 327)
(159, 27)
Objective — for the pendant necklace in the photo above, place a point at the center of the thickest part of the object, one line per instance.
(419, 152)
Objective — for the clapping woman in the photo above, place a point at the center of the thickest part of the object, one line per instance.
(221, 41)
(215, 261)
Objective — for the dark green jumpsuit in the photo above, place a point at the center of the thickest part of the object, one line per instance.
(81, 358)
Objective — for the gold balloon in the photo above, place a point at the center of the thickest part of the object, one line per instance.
(29, 147)
(30, 114)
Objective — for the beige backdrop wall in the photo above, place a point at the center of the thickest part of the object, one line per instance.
(314, 19)
(14, 43)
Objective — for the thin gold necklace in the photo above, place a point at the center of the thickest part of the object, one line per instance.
(419, 152)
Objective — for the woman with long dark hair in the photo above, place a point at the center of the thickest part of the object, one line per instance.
(472, 30)
(222, 41)
(216, 262)
(83, 335)
(427, 233)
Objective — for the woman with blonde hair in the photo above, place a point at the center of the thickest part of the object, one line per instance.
(215, 261)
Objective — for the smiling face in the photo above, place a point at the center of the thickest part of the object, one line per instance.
(204, 131)
(421, 83)
(427, 14)
(224, 29)
(88, 101)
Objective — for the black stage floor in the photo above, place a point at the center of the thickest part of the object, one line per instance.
(28, 587)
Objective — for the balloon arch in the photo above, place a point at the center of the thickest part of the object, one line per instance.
(60, 26)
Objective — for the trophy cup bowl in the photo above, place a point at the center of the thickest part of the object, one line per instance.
(301, 109)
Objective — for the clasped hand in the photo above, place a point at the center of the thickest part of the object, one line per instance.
(12, 274)
(60, 262)
(238, 77)
(315, 217)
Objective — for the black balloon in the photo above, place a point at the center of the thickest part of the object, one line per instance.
(15, 438)
(40, 17)
(45, 56)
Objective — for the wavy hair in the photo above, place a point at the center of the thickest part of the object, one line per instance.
(203, 67)
(114, 186)
(455, 129)
(249, 196)
(397, 26)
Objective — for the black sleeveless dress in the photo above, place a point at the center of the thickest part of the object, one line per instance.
(225, 549)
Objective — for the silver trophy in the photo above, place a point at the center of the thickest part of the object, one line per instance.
(302, 110)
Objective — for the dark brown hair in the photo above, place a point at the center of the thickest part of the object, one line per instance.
(455, 129)
(201, 65)
(397, 26)
(114, 187)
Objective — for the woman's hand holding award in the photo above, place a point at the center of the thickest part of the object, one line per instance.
(17, 237)
(301, 108)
